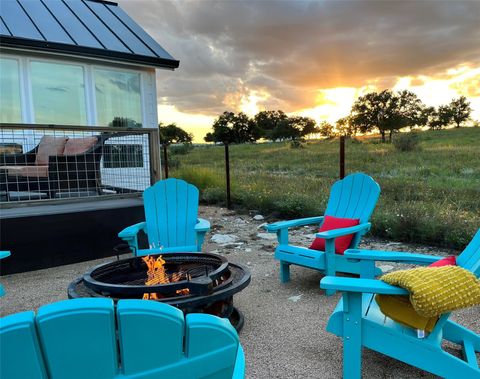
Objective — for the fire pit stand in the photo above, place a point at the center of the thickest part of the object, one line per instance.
(210, 279)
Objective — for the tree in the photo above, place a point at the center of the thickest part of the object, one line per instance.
(386, 111)
(344, 127)
(293, 128)
(124, 122)
(460, 110)
(445, 116)
(229, 128)
(326, 129)
(172, 134)
(267, 121)
(304, 125)
(245, 129)
(410, 109)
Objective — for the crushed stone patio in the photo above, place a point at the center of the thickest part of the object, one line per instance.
(284, 333)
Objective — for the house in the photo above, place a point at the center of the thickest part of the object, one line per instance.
(76, 73)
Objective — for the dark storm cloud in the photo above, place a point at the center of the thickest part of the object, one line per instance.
(292, 48)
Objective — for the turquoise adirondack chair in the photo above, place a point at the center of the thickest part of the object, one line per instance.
(91, 338)
(359, 321)
(3, 254)
(171, 219)
(355, 196)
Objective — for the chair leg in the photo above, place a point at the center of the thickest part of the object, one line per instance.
(284, 272)
(352, 336)
(329, 262)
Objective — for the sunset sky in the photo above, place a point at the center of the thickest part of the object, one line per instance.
(311, 58)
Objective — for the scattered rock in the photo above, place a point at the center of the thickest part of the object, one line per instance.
(261, 226)
(248, 250)
(258, 217)
(385, 268)
(240, 221)
(233, 245)
(267, 236)
(295, 298)
(223, 238)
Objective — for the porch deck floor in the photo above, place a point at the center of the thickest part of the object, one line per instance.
(284, 334)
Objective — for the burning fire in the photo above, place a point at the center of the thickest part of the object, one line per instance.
(156, 274)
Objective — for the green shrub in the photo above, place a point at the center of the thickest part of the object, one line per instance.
(296, 144)
(173, 162)
(201, 177)
(181, 149)
(406, 141)
(214, 195)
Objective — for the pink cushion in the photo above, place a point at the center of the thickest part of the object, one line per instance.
(49, 146)
(447, 261)
(75, 146)
(31, 171)
(331, 223)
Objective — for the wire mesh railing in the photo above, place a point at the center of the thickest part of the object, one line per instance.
(51, 162)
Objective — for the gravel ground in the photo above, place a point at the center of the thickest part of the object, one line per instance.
(284, 334)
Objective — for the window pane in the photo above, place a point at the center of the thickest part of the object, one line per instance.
(10, 110)
(118, 98)
(58, 94)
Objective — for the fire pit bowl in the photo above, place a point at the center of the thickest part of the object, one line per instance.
(192, 282)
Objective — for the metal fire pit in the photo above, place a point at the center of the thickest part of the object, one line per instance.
(210, 278)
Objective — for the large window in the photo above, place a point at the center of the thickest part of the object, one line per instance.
(58, 93)
(118, 98)
(10, 110)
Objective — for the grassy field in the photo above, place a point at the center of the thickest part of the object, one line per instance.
(430, 195)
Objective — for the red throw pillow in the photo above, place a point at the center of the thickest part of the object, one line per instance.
(447, 261)
(331, 223)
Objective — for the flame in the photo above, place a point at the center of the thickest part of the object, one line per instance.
(156, 274)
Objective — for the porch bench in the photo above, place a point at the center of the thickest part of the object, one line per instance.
(55, 164)
(91, 338)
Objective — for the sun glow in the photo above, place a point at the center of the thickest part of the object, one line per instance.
(335, 103)
(249, 103)
(195, 123)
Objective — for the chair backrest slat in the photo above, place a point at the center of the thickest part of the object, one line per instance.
(213, 343)
(20, 355)
(150, 207)
(151, 335)
(470, 257)
(171, 209)
(78, 338)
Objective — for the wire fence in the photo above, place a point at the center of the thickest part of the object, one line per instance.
(44, 162)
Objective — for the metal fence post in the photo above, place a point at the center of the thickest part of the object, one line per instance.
(342, 157)
(227, 174)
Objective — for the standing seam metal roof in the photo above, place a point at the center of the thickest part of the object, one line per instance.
(92, 28)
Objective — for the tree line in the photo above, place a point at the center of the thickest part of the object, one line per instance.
(270, 125)
(385, 112)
